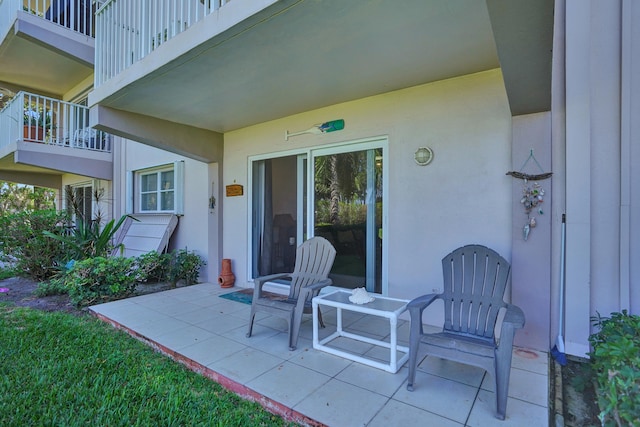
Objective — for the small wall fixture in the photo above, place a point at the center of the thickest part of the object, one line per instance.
(423, 156)
(318, 129)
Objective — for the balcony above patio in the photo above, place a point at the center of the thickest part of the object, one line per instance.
(46, 46)
(42, 138)
(224, 65)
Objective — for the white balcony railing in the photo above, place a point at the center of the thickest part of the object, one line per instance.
(39, 119)
(128, 30)
(77, 15)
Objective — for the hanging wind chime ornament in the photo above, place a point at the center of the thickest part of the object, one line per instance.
(532, 194)
(318, 129)
(532, 197)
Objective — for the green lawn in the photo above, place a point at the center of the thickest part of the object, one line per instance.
(62, 370)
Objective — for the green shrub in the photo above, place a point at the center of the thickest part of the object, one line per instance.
(171, 267)
(98, 280)
(184, 265)
(23, 243)
(616, 361)
(54, 286)
(7, 272)
(152, 267)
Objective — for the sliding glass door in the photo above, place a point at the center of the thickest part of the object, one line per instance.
(339, 197)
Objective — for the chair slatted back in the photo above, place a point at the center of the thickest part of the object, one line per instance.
(314, 259)
(475, 279)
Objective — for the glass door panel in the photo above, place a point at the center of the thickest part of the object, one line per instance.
(347, 209)
(274, 215)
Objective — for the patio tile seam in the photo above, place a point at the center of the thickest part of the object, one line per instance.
(448, 378)
(364, 389)
(271, 405)
(475, 402)
(440, 415)
(386, 399)
(310, 392)
(293, 360)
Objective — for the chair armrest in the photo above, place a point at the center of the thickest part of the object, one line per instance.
(416, 306)
(260, 281)
(319, 285)
(263, 279)
(514, 316)
(513, 319)
(421, 302)
(312, 290)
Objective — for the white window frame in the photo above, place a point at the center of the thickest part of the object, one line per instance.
(135, 188)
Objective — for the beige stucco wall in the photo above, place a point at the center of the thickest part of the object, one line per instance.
(462, 197)
(193, 230)
(602, 178)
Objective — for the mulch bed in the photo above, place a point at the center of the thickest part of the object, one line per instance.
(21, 292)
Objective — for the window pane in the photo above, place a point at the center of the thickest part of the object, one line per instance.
(149, 182)
(166, 180)
(148, 202)
(167, 201)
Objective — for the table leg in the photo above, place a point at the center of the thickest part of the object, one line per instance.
(314, 308)
(393, 321)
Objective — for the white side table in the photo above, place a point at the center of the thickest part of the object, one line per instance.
(382, 306)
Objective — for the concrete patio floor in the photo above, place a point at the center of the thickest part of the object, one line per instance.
(196, 327)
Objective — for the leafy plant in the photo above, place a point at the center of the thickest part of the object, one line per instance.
(23, 243)
(184, 265)
(6, 273)
(616, 361)
(97, 280)
(37, 116)
(152, 267)
(87, 239)
(54, 286)
(17, 198)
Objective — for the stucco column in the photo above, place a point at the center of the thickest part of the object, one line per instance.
(531, 258)
(578, 176)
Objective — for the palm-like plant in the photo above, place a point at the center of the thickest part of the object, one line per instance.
(87, 239)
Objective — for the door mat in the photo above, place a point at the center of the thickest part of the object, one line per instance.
(246, 295)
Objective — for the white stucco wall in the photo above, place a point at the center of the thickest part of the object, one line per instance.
(192, 232)
(462, 197)
(601, 79)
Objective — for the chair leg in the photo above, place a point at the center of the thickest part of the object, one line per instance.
(501, 380)
(414, 344)
(294, 329)
(251, 317)
(502, 364)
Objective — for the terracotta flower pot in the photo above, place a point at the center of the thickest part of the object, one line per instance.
(33, 133)
(226, 278)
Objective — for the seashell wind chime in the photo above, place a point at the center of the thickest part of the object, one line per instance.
(532, 198)
(532, 195)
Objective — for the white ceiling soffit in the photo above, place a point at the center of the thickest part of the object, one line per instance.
(314, 53)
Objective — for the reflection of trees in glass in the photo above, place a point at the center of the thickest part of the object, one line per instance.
(341, 187)
(167, 201)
